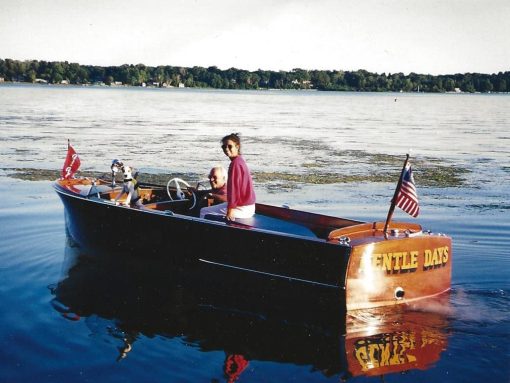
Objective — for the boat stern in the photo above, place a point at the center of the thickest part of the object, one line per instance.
(406, 266)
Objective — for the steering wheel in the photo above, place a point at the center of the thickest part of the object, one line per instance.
(179, 194)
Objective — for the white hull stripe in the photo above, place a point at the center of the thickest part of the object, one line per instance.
(269, 274)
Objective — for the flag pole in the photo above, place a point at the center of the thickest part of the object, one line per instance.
(394, 199)
(62, 175)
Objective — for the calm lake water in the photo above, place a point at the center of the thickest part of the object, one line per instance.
(72, 314)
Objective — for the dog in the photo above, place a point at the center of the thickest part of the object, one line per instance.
(129, 187)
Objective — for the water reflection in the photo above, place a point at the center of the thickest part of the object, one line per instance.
(384, 341)
(125, 296)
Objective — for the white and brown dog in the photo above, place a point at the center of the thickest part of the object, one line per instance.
(130, 187)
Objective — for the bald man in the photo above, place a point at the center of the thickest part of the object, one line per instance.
(218, 181)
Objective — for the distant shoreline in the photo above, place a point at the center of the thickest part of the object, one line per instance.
(104, 86)
(140, 75)
(14, 83)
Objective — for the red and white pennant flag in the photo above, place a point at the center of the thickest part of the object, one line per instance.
(71, 164)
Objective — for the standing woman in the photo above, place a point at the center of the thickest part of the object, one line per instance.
(240, 193)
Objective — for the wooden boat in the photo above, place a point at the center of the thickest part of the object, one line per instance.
(365, 265)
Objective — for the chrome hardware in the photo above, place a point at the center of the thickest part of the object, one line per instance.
(93, 190)
(399, 293)
(344, 241)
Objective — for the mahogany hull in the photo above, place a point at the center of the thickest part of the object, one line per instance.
(352, 260)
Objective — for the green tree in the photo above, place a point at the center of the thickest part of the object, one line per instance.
(31, 75)
(408, 85)
(485, 85)
(321, 80)
(57, 73)
(449, 85)
(264, 78)
(188, 82)
(467, 85)
(159, 75)
(355, 80)
(501, 85)
(216, 81)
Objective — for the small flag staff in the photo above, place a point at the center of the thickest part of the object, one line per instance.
(405, 195)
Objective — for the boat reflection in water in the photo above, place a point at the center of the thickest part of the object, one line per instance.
(383, 341)
(282, 322)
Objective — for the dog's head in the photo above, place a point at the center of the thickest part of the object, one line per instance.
(128, 173)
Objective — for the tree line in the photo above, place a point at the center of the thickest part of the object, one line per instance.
(57, 72)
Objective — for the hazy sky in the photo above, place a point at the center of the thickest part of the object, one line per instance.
(422, 36)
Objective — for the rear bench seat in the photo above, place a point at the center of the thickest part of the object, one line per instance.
(264, 222)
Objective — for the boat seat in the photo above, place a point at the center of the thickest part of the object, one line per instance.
(264, 222)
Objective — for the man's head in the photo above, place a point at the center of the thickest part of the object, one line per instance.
(217, 177)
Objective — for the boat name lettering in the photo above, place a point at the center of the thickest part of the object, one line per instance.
(435, 257)
(408, 261)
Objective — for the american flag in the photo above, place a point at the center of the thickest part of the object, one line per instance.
(407, 198)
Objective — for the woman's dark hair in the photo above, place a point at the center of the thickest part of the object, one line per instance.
(233, 137)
